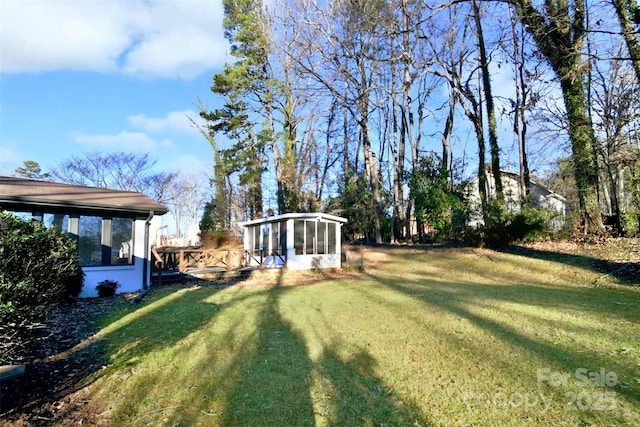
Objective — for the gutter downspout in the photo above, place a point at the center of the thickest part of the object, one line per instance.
(146, 286)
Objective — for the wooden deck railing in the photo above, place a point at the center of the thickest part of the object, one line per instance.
(186, 260)
(157, 264)
(260, 258)
(202, 259)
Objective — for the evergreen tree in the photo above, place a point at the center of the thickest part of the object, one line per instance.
(31, 170)
(245, 86)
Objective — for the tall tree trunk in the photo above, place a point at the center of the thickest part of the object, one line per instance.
(560, 37)
(583, 153)
(624, 9)
(519, 121)
(491, 115)
(397, 138)
(371, 169)
(448, 130)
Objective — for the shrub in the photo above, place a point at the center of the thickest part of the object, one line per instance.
(631, 225)
(503, 227)
(107, 288)
(217, 240)
(528, 225)
(38, 267)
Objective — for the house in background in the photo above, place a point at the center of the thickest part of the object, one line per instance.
(113, 228)
(298, 241)
(541, 197)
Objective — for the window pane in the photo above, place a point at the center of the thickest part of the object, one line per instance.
(275, 231)
(256, 240)
(283, 238)
(89, 240)
(322, 228)
(121, 241)
(56, 220)
(311, 237)
(298, 236)
(25, 216)
(331, 238)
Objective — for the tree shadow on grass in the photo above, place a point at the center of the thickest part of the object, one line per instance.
(353, 394)
(457, 298)
(626, 272)
(161, 322)
(78, 362)
(272, 387)
(277, 382)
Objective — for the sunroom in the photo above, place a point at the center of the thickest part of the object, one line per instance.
(112, 227)
(297, 241)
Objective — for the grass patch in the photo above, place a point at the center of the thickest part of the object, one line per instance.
(427, 337)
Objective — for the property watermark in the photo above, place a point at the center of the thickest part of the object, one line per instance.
(581, 390)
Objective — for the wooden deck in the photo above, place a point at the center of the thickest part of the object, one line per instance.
(171, 264)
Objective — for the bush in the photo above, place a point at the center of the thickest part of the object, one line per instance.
(107, 288)
(38, 268)
(503, 228)
(218, 239)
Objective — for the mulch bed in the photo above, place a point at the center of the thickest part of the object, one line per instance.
(60, 356)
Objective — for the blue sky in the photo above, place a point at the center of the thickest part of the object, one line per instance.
(109, 75)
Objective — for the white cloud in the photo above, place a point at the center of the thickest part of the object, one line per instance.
(123, 141)
(175, 121)
(190, 164)
(156, 38)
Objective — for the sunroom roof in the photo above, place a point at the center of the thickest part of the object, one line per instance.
(18, 194)
(301, 215)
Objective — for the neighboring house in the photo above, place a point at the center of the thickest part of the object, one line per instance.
(541, 197)
(113, 228)
(298, 240)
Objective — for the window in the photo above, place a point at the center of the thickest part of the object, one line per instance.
(275, 232)
(298, 236)
(121, 241)
(90, 240)
(310, 237)
(256, 241)
(331, 238)
(60, 221)
(101, 241)
(313, 237)
(282, 249)
(321, 234)
(104, 241)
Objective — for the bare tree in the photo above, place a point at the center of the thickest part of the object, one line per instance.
(185, 199)
(343, 48)
(616, 118)
(559, 32)
(118, 171)
(488, 95)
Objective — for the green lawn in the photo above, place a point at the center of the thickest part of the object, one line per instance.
(423, 337)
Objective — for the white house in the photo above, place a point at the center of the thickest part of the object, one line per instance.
(541, 197)
(113, 228)
(298, 241)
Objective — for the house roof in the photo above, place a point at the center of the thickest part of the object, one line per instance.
(305, 215)
(547, 193)
(19, 194)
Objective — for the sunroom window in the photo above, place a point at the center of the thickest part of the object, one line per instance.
(314, 237)
(90, 241)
